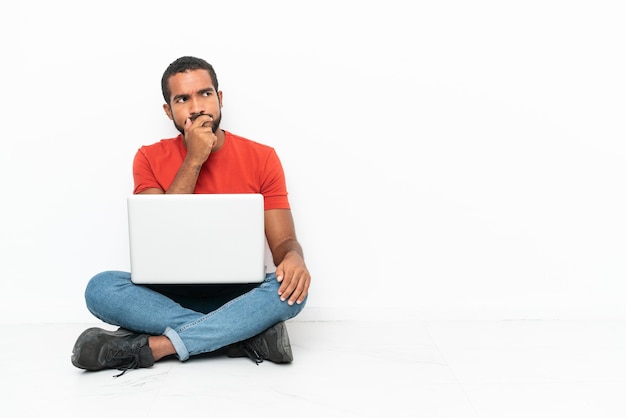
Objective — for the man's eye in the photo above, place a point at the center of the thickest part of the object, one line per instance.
(181, 100)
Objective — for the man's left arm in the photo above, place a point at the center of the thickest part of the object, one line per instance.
(291, 270)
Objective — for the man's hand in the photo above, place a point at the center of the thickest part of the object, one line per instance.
(199, 137)
(294, 278)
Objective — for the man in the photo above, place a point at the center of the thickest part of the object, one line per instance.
(186, 320)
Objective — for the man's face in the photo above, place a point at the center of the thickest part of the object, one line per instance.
(191, 94)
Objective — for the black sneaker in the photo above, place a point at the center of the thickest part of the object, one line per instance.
(98, 349)
(272, 344)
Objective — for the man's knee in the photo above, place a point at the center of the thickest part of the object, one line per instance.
(102, 285)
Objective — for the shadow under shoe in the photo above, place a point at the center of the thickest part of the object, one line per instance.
(97, 349)
(272, 344)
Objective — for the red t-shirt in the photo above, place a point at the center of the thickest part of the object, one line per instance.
(240, 166)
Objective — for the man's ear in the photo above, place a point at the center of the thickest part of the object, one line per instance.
(168, 111)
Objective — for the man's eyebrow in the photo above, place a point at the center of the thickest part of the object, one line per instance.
(180, 96)
(201, 91)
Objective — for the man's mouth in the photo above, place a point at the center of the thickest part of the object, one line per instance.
(196, 116)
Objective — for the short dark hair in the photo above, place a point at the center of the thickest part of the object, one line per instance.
(182, 65)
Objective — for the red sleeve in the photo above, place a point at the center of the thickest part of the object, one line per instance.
(142, 173)
(273, 186)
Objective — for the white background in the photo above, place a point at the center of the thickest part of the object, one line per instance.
(450, 159)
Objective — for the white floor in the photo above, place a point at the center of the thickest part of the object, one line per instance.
(486, 369)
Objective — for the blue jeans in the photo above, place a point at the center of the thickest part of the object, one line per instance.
(198, 319)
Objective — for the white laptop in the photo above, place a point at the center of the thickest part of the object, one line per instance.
(196, 238)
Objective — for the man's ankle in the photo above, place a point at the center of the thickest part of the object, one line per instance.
(161, 346)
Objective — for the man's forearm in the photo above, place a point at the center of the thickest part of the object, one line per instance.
(284, 248)
(186, 178)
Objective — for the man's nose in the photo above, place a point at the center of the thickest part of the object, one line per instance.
(195, 107)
